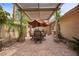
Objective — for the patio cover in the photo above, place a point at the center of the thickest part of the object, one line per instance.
(42, 11)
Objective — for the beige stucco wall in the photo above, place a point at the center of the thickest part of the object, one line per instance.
(69, 24)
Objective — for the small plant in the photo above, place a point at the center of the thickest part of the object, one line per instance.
(75, 45)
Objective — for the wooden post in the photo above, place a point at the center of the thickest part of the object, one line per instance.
(58, 33)
(14, 11)
(1, 46)
(56, 29)
(26, 30)
(22, 33)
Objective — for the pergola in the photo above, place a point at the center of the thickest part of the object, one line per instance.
(39, 11)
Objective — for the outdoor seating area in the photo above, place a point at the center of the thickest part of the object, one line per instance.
(38, 36)
(39, 29)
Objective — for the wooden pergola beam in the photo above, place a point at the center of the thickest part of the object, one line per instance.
(40, 19)
(20, 9)
(57, 8)
(40, 9)
(14, 9)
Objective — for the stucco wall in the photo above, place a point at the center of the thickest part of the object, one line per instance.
(69, 24)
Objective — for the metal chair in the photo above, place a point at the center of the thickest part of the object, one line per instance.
(37, 36)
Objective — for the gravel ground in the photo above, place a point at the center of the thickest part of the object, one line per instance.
(29, 48)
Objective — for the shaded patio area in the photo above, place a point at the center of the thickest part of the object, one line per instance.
(18, 38)
(47, 48)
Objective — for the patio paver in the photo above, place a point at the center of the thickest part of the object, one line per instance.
(47, 48)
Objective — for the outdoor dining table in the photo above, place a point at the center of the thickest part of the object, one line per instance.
(42, 36)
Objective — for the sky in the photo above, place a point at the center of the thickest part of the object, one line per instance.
(7, 7)
(65, 8)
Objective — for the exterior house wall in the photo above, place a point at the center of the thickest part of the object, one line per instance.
(69, 23)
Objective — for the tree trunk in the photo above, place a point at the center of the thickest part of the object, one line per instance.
(0, 39)
(0, 33)
(21, 37)
(1, 46)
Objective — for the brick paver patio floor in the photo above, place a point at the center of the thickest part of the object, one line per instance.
(29, 48)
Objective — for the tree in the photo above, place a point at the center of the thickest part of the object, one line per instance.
(3, 18)
(58, 33)
(22, 28)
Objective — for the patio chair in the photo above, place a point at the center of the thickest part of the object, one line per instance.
(43, 34)
(37, 36)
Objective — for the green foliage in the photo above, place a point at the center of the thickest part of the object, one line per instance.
(76, 44)
(22, 27)
(19, 25)
(9, 23)
(23, 24)
(12, 24)
(57, 15)
(1, 9)
(3, 16)
(24, 20)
